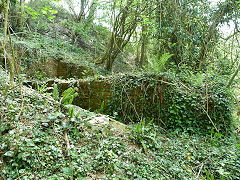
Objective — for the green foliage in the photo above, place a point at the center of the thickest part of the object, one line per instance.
(41, 9)
(186, 110)
(41, 88)
(33, 147)
(141, 134)
(173, 103)
(209, 177)
(34, 14)
(55, 92)
(80, 30)
(40, 48)
(40, 15)
(158, 65)
(68, 95)
(215, 138)
(68, 171)
(101, 109)
(71, 113)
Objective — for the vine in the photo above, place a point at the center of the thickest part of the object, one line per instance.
(171, 103)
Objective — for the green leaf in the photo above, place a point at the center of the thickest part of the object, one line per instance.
(68, 171)
(53, 11)
(78, 114)
(150, 122)
(71, 112)
(44, 12)
(9, 153)
(143, 122)
(138, 128)
(51, 17)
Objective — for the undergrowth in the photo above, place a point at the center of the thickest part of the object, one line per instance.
(33, 146)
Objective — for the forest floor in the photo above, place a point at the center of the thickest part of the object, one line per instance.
(42, 139)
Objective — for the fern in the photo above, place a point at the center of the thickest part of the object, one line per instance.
(55, 92)
(140, 134)
(157, 65)
(69, 95)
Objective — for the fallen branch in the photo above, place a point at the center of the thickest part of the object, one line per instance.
(210, 119)
(67, 147)
(199, 171)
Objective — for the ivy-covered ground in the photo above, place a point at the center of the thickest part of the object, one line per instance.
(40, 139)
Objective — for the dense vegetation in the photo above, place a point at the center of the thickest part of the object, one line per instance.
(170, 104)
(173, 66)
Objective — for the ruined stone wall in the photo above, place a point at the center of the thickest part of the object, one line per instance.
(93, 93)
(55, 68)
(172, 105)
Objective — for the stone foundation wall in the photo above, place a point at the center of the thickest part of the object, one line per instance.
(133, 98)
(55, 68)
(92, 94)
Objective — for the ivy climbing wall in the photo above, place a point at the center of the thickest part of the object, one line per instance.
(170, 104)
(93, 94)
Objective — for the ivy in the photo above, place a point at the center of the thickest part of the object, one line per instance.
(171, 103)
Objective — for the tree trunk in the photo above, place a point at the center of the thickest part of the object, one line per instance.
(3, 49)
(81, 14)
(121, 34)
(143, 45)
(20, 16)
(137, 57)
(9, 58)
(216, 20)
(6, 8)
(10, 62)
(92, 11)
(233, 76)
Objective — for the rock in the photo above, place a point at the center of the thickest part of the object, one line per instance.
(98, 120)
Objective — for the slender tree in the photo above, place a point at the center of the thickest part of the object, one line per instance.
(217, 18)
(233, 76)
(75, 6)
(3, 51)
(20, 15)
(92, 12)
(124, 26)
